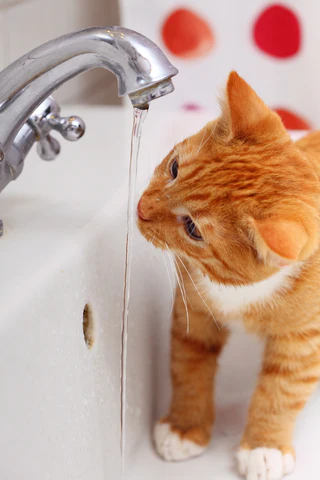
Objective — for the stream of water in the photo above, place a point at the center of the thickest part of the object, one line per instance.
(138, 120)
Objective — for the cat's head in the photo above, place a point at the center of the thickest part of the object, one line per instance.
(238, 199)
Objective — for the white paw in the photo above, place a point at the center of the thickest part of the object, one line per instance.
(171, 447)
(264, 463)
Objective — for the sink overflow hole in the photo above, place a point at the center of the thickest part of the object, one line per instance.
(88, 326)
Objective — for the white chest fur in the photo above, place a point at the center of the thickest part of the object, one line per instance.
(235, 300)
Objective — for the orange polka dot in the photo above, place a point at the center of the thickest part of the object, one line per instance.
(292, 121)
(186, 34)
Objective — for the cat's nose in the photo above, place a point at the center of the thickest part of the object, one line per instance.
(141, 211)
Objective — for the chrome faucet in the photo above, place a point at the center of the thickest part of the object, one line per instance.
(28, 113)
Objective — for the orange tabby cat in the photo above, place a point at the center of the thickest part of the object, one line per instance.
(239, 202)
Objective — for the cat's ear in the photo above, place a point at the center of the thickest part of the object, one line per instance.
(246, 114)
(282, 242)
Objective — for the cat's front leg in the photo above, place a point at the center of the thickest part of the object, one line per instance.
(185, 432)
(290, 372)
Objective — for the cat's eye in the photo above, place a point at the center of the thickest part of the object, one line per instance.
(191, 229)
(174, 168)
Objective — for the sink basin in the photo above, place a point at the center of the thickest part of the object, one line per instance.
(63, 249)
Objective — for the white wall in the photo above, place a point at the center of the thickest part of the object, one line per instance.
(25, 24)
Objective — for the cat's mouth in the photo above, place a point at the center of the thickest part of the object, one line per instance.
(151, 233)
(140, 217)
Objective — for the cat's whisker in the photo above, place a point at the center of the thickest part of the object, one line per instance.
(201, 141)
(181, 278)
(170, 256)
(198, 291)
(203, 144)
(184, 295)
(171, 285)
(150, 240)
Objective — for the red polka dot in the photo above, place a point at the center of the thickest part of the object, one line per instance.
(186, 34)
(277, 32)
(192, 107)
(292, 121)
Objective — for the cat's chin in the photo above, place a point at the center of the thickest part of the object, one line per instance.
(143, 229)
(149, 235)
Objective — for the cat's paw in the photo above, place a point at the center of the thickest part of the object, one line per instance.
(264, 463)
(173, 445)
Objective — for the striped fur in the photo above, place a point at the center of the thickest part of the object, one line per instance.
(254, 195)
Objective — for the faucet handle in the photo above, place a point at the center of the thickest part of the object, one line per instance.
(48, 148)
(71, 128)
(47, 118)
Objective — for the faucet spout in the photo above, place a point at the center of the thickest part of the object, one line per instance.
(142, 70)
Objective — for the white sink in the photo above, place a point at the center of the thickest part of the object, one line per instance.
(63, 248)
